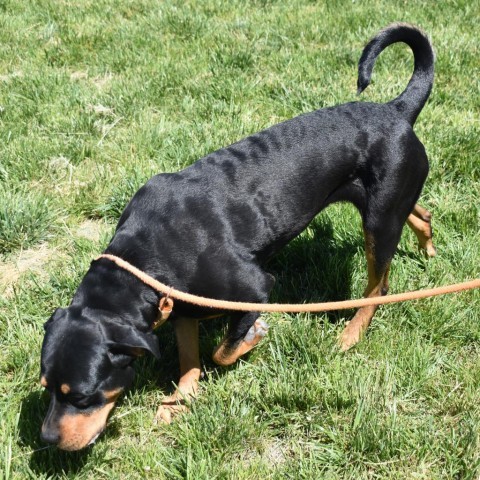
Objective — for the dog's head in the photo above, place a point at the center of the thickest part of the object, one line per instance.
(86, 364)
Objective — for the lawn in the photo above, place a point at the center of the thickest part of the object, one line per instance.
(97, 96)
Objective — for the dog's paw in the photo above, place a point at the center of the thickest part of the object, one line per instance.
(429, 249)
(225, 355)
(170, 408)
(350, 336)
(257, 331)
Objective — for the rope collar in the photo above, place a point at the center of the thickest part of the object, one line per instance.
(165, 306)
(169, 294)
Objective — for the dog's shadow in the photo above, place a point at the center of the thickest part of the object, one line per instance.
(315, 267)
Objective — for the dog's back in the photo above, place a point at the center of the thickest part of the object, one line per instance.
(271, 184)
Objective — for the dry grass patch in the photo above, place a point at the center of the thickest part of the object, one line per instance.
(32, 260)
(91, 230)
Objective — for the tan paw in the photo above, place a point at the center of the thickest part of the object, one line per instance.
(430, 249)
(223, 355)
(257, 331)
(350, 336)
(170, 408)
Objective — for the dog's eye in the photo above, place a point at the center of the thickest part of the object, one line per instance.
(79, 401)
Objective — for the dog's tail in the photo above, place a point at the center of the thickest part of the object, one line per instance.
(413, 98)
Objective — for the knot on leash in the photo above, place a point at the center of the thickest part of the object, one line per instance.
(165, 308)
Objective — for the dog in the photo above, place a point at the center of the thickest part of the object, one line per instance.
(209, 228)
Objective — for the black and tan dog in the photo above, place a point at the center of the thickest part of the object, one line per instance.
(209, 229)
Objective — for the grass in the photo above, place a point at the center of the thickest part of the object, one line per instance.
(98, 96)
(25, 218)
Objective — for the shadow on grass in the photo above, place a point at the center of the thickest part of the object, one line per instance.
(316, 268)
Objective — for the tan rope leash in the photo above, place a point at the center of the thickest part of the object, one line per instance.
(166, 303)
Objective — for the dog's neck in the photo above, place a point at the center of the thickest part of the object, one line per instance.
(108, 288)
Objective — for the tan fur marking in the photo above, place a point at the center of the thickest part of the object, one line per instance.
(422, 213)
(224, 357)
(377, 286)
(176, 403)
(77, 431)
(112, 395)
(420, 222)
(65, 388)
(43, 382)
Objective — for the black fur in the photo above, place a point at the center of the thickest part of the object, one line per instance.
(208, 229)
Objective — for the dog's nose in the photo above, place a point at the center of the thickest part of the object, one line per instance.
(49, 436)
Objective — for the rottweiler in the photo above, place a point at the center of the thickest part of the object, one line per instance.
(210, 228)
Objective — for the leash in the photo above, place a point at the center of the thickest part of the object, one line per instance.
(170, 294)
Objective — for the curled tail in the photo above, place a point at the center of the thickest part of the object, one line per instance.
(413, 98)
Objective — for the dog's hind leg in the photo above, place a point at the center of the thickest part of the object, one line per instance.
(382, 234)
(420, 221)
(186, 332)
(385, 208)
(245, 330)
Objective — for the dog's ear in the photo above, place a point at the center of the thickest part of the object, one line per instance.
(126, 343)
(59, 312)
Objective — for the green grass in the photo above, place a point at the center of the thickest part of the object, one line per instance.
(25, 218)
(97, 96)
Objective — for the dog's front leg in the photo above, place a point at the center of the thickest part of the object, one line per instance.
(244, 332)
(186, 332)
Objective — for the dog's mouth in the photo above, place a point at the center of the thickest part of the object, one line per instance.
(94, 439)
(77, 445)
